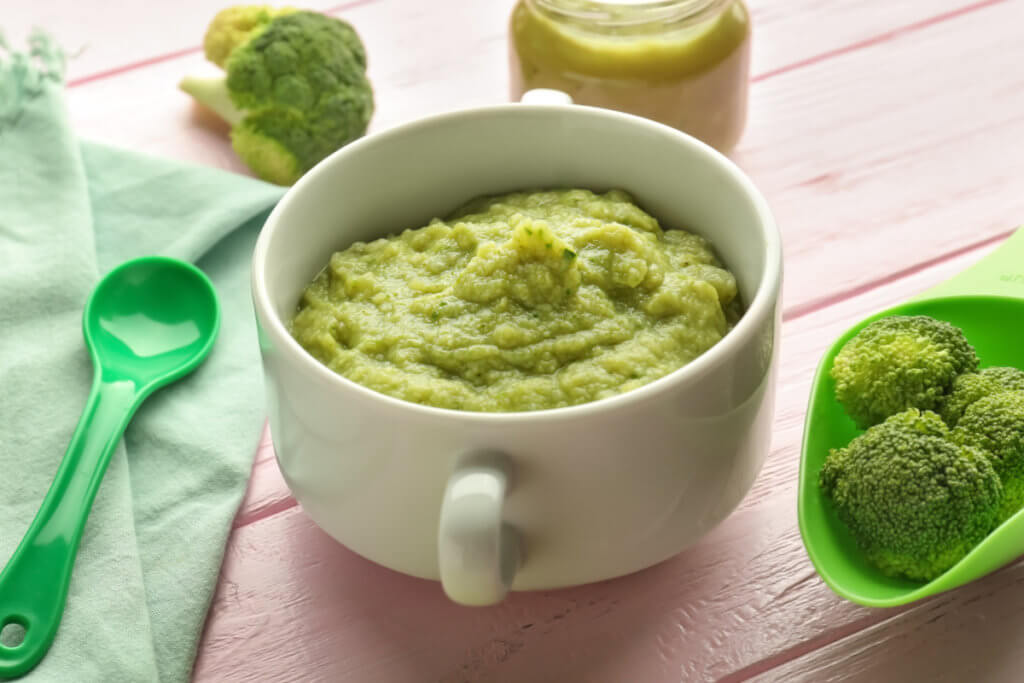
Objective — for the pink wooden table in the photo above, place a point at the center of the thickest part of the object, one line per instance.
(887, 136)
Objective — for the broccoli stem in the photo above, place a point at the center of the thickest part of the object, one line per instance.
(213, 93)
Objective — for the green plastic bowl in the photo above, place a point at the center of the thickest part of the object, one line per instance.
(987, 303)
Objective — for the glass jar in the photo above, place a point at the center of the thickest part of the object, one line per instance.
(684, 63)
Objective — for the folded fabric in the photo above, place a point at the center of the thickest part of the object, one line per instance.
(69, 212)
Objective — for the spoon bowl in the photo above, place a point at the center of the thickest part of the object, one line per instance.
(987, 303)
(151, 319)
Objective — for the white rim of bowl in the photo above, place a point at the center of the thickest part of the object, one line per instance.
(768, 288)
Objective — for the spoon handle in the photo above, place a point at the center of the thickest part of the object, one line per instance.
(34, 584)
(1001, 273)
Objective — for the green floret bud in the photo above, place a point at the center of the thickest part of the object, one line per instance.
(302, 54)
(972, 387)
(295, 89)
(995, 424)
(234, 26)
(897, 363)
(914, 501)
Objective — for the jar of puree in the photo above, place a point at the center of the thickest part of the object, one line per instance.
(684, 63)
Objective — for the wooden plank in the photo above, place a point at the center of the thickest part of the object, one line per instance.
(827, 30)
(745, 594)
(971, 634)
(123, 33)
(834, 195)
(412, 77)
(890, 156)
(99, 42)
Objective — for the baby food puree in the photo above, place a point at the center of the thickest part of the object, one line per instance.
(684, 63)
(525, 301)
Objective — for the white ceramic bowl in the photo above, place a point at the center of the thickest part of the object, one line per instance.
(534, 500)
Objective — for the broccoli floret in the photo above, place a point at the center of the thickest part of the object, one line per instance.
(294, 89)
(974, 386)
(899, 362)
(995, 424)
(236, 25)
(915, 501)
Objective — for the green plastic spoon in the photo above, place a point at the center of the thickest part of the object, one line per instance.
(987, 302)
(149, 322)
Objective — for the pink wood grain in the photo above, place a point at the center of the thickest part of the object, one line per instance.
(101, 39)
(886, 157)
(886, 139)
(827, 141)
(972, 634)
(118, 34)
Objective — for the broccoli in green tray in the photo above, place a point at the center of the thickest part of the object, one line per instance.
(899, 362)
(915, 501)
(941, 462)
(294, 89)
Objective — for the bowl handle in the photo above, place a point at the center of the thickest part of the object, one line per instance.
(478, 553)
(545, 96)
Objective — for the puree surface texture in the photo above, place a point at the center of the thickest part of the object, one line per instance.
(519, 302)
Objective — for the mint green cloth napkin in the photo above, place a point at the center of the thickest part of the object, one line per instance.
(69, 212)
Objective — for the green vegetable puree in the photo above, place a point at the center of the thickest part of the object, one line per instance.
(521, 302)
(630, 51)
(690, 73)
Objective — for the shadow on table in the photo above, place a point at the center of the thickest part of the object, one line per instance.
(349, 619)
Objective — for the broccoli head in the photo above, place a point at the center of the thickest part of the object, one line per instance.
(915, 501)
(995, 424)
(899, 362)
(973, 386)
(294, 89)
